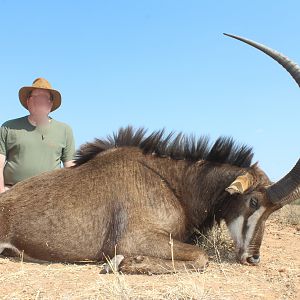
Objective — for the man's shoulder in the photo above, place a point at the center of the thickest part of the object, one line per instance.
(61, 124)
(14, 122)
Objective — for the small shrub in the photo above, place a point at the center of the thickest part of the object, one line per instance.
(288, 215)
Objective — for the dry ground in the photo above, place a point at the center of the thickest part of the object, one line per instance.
(277, 277)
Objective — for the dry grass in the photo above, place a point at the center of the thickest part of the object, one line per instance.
(297, 202)
(288, 215)
(183, 286)
(59, 281)
(217, 244)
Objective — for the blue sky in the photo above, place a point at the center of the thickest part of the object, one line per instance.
(160, 64)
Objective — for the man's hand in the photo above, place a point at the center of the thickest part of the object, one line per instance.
(2, 164)
(4, 190)
(69, 164)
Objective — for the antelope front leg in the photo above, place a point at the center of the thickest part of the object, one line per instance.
(160, 255)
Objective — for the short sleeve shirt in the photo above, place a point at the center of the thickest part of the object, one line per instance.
(31, 150)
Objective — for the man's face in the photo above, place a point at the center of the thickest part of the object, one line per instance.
(39, 103)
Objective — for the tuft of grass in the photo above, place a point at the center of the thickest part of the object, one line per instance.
(297, 202)
(217, 243)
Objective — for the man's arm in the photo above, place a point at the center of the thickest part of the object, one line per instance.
(68, 153)
(69, 164)
(2, 164)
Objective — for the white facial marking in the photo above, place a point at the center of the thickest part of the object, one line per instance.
(251, 223)
(235, 229)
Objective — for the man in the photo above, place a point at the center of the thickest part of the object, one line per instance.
(35, 143)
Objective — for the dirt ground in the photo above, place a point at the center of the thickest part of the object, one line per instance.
(277, 276)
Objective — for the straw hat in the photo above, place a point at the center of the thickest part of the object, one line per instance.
(40, 83)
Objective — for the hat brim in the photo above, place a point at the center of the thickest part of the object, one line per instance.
(24, 91)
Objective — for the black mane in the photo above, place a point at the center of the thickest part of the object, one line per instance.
(180, 146)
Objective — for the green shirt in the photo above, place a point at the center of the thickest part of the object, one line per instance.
(32, 150)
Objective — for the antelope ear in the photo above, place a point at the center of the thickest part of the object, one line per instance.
(241, 184)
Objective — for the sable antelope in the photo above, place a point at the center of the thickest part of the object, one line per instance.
(146, 194)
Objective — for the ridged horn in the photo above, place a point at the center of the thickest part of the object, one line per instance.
(240, 184)
(287, 189)
(288, 64)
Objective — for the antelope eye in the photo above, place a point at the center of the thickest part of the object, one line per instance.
(254, 203)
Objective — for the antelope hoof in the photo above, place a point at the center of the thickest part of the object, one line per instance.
(112, 266)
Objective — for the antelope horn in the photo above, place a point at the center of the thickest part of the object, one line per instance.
(241, 184)
(287, 189)
(288, 64)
